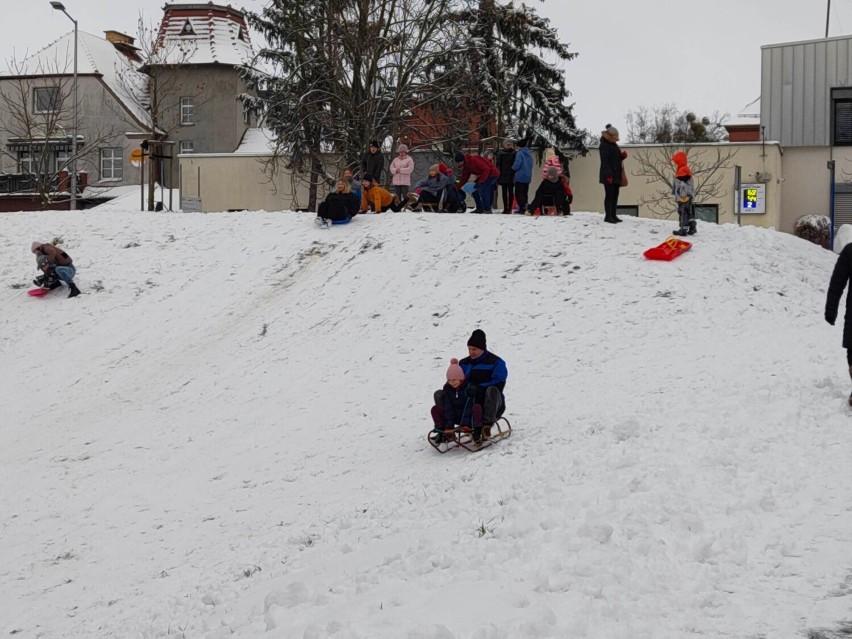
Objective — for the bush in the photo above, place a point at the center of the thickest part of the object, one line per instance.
(814, 228)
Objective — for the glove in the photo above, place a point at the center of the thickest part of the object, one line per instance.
(624, 155)
(471, 390)
(830, 317)
(609, 180)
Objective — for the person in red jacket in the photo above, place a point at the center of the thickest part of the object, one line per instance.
(486, 177)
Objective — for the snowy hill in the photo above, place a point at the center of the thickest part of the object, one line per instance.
(225, 435)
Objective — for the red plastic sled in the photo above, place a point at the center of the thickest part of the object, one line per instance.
(38, 292)
(668, 250)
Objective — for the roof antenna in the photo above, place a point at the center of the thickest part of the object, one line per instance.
(827, 14)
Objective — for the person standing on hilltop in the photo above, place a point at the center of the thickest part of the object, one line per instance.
(612, 170)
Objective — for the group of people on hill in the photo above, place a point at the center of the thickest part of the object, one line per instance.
(445, 188)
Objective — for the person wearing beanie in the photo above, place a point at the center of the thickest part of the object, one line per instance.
(436, 191)
(612, 172)
(453, 407)
(551, 192)
(373, 162)
(683, 190)
(486, 376)
(486, 175)
(57, 267)
(522, 166)
(376, 199)
(401, 169)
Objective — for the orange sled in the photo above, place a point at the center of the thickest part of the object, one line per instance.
(668, 250)
(461, 437)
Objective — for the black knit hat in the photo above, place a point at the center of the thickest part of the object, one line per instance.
(367, 178)
(374, 143)
(459, 156)
(477, 340)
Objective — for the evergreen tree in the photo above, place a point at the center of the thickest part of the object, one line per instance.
(520, 92)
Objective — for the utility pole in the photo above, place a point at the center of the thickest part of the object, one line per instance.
(58, 6)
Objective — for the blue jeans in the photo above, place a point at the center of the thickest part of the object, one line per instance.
(66, 273)
(484, 193)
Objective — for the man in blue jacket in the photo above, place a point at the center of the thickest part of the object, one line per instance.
(522, 166)
(486, 375)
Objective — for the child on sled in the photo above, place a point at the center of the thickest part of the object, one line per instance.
(454, 407)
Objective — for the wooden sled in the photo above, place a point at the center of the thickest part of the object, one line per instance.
(461, 437)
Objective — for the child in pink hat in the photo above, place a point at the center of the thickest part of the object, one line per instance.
(453, 406)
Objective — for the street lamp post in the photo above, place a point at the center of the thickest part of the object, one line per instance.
(61, 7)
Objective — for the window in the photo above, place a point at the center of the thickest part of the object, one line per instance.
(707, 212)
(45, 100)
(26, 162)
(187, 146)
(112, 164)
(841, 116)
(62, 158)
(187, 29)
(187, 111)
(632, 211)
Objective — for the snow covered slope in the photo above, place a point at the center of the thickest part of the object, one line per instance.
(225, 435)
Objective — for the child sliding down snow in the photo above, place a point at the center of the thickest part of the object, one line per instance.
(453, 406)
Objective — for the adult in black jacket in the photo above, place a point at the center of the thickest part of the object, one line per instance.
(551, 192)
(505, 160)
(340, 204)
(373, 163)
(838, 283)
(610, 175)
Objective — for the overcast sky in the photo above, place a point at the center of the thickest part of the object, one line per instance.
(702, 56)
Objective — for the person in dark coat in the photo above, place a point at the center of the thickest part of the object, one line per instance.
(551, 191)
(612, 158)
(505, 161)
(486, 375)
(373, 162)
(341, 204)
(453, 406)
(838, 283)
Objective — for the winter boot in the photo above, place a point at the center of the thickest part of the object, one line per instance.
(680, 232)
(693, 228)
(39, 281)
(74, 290)
(476, 434)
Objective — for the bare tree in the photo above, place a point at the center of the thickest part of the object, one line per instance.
(668, 124)
(37, 121)
(335, 75)
(155, 77)
(708, 164)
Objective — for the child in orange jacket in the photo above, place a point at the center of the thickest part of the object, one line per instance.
(375, 198)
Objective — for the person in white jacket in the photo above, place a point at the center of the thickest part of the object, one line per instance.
(401, 169)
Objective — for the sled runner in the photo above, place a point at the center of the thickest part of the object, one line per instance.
(668, 250)
(461, 437)
(38, 292)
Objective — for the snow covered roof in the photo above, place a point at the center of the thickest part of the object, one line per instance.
(256, 141)
(96, 56)
(209, 33)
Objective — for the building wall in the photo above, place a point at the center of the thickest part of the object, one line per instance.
(229, 181)
(796, 83)
(102, 121)
(239, 182)
(806, 189)
(218, 116)
(752, 157)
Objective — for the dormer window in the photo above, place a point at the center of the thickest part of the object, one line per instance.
(187, 29)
